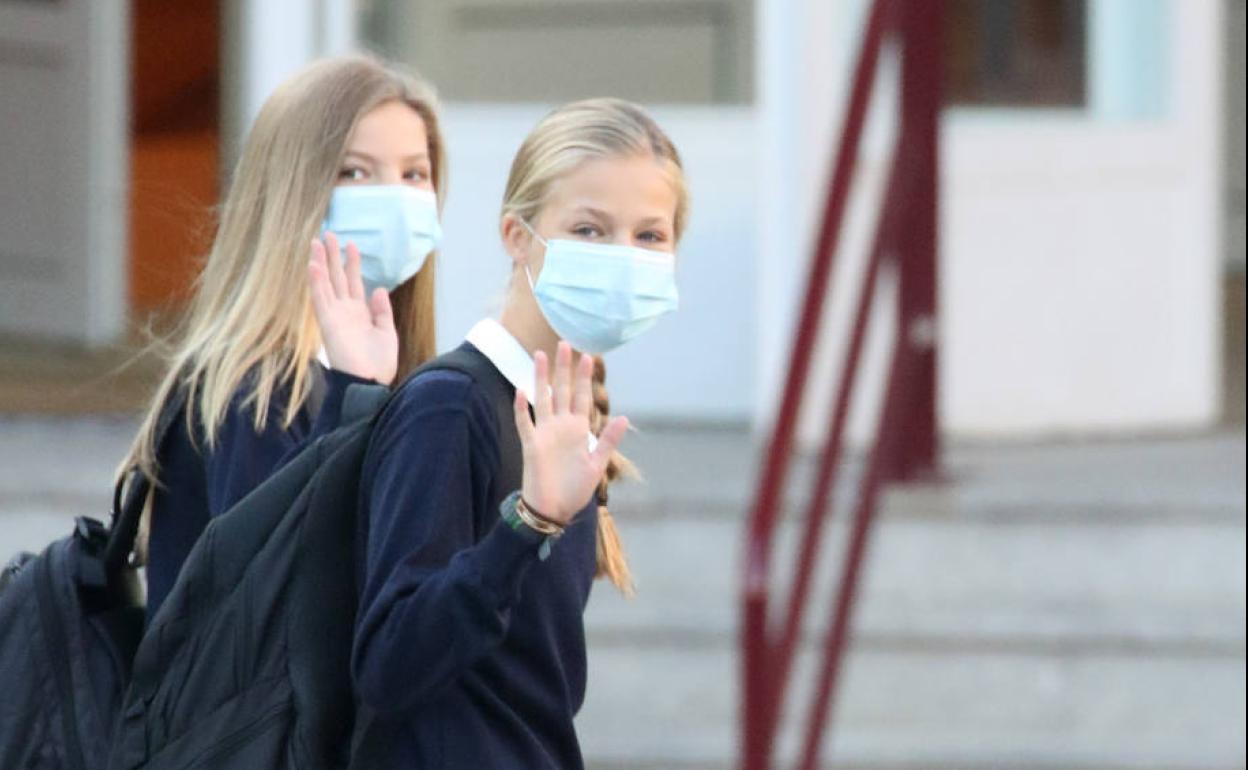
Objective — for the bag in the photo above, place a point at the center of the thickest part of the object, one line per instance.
(247, 663)
(70, 622)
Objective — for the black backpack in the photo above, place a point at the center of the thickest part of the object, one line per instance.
(70, 622)
(247, 663)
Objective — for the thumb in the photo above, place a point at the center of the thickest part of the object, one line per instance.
(524, 421)
(608, 441)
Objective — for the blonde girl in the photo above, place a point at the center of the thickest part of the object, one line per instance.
(483, 524)
(347, 148)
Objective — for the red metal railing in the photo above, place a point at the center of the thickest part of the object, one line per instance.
(906, 234)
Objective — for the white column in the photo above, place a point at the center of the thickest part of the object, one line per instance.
(337, 26)
(265, 42)
(781, 236)
(804, 51)
(805, 57)
(108, 171)
(1196, 70)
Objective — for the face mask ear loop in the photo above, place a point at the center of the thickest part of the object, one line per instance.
(533, 233)
(540, 240)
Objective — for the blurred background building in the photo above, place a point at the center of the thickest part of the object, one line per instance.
(1092, 239)
(1091, 326)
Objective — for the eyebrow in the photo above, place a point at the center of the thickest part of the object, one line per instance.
(648, 222)
(365, 156)
(593, 212)
(652, 221)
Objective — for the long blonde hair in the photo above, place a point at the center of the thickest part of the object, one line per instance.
(567, 137)
(250, 322)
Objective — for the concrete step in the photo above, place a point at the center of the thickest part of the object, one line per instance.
(1145, 584)
(977, 645)
(715, 471)
(677, 707)
(1070, 607)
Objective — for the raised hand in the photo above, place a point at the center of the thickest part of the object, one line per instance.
(357, 331)
(560, 472)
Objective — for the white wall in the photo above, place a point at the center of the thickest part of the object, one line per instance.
(1079, 280)
(1079, 253)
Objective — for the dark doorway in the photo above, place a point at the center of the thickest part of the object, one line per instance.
(174, 150)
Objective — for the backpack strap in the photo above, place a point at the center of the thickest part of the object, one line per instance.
(130, 493)
(467, 359)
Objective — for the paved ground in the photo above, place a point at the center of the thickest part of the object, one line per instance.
(1058, 606)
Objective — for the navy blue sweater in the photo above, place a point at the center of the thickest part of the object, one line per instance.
(469, 649)
(198, 484)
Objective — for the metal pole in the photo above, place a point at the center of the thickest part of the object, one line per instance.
(922, 29)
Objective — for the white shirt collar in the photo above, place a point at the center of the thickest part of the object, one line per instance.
(505, 352)
(509, 358)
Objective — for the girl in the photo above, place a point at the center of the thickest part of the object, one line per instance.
(346, 145)
(480, 530)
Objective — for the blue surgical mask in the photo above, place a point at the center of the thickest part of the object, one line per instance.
(394, 227)
(599, 296)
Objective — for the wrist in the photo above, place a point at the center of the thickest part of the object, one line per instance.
(543, 510)
(521, 518)
(539, 521)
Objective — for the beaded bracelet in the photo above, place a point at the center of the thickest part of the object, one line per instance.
(537, 521)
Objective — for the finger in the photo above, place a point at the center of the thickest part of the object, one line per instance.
(317, 255)
(608, 441)
(583, 386)
(355, 282)
(563, 378)
(316, 251)
(316, 263)
(541, 384)
(337, 276)
(524, 421)
(379, 307)
(318, 288)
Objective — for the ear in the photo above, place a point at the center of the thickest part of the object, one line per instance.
(516, 239)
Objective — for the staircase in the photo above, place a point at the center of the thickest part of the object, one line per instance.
(1052, 607)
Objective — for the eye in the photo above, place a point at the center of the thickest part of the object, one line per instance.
(418, 175)
(587, 231)
(652, 236)
(352, 174)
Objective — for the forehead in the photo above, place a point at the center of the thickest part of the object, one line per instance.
(390, 123)
(632, 186)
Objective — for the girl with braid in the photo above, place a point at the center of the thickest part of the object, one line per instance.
(483, 494)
